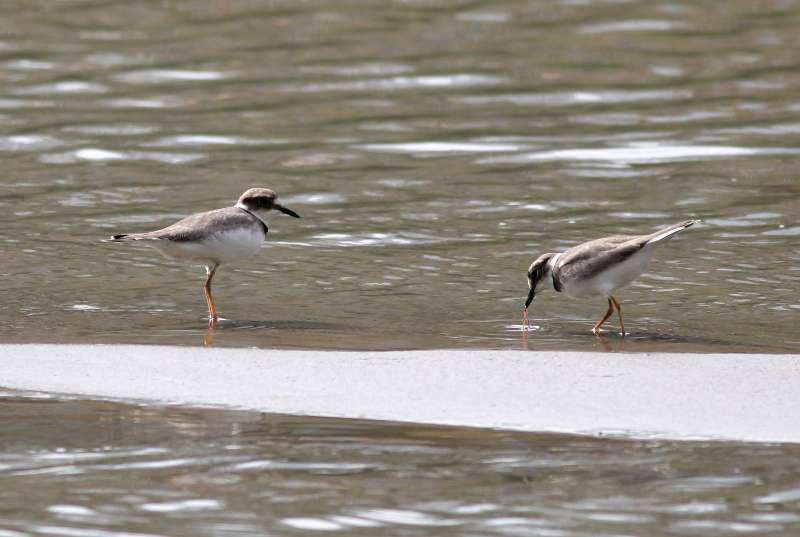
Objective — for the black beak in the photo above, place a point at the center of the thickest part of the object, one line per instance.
(285, 210)
(530, 297)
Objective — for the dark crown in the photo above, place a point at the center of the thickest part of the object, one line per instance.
(258, 199)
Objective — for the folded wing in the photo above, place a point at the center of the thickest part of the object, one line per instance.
(595, 256)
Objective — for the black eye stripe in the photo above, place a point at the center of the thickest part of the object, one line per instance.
(260, 202)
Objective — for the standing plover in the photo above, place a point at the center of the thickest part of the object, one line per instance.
(216, 237)
(598, 267)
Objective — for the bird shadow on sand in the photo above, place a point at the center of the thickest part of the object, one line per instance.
(635, 341)
(240, 324)
(234, 325)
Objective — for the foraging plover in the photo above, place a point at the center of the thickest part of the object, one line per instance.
(216, 237)
(598, 267)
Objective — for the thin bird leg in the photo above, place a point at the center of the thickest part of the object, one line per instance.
(610, 310)
(619, 312)
(212, 309)
(526, 323)
(205, 294)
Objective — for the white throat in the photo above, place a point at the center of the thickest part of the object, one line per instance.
(261, 215)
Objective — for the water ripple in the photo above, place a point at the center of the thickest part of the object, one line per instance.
(568, 98)
(210, 139)
(29, 142)
(484, 16)
(24, 64)
(632, 26)
(183, 505)
(406, 517)
(459, 80)
(376, 239)
(167, 101)
(312, 524)
(123, 129)
(643, 155)
(721, 527)
(92, 154)
(87, 532)
(793, 231)
(365, 69)
(444, 147)
(783, 496)
(313, 198)
(64, 87)
(21, 104)
(317, 467)
(159, 76)
(72, 510)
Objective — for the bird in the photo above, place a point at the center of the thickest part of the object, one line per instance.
(215, 237)
(598, 267)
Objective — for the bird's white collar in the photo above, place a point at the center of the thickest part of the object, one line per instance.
(257, 214)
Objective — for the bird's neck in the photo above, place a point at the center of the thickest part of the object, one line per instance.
(261, 215)
(552, 264)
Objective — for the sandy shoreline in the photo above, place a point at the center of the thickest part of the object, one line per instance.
(683, 396)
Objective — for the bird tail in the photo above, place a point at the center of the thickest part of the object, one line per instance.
(667, 233)
(125, 237)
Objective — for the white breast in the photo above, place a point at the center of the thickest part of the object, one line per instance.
(222, 247)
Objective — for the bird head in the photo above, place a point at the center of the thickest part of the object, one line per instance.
(262, 200)
(538, 273)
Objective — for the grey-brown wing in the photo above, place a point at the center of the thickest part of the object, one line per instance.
(201, 225)
(593, 257)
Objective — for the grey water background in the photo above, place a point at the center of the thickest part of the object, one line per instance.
(433, 149)
(99, 469)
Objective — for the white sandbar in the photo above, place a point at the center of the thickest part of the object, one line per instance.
(683, 396)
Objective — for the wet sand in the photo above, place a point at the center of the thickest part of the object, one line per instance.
(747, 397)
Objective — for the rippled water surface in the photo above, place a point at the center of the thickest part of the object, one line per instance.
(113, 470)
(433, 149)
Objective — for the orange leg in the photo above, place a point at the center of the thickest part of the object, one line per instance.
(619, 312)
(610, 310)
(212, 309)
(526, 323)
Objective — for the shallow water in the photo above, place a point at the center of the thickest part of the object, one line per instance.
(433, 149)
(109, 469)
